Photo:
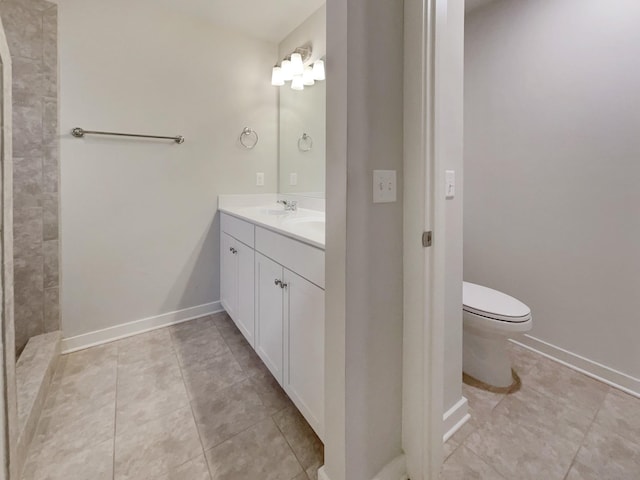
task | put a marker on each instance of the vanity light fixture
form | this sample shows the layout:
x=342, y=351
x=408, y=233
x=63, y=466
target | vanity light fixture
x=298, y=69
x=318, y=70
x=277, y=78
x=287, y=71
x=307, y=76
x=297, y=83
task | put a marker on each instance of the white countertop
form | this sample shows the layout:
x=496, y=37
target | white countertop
x=305, y=225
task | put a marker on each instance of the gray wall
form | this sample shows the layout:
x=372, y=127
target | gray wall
x=31, y=29
x=552, y=166
x=364, y=240
x=450, y=153
x=138, y=218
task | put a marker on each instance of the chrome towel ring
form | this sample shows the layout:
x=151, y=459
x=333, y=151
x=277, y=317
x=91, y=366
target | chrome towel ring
x=248, y=138
x=305, y=143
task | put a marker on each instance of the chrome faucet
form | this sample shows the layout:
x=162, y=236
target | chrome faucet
x=289, y=205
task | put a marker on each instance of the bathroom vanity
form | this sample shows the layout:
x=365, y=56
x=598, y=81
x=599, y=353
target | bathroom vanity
x=272, y=286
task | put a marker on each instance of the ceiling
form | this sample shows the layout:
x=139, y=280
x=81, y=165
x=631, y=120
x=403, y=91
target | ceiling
x=270, y=20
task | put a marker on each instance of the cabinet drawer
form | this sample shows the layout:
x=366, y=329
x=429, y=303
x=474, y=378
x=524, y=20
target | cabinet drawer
x=305, y=260
x=238, y=229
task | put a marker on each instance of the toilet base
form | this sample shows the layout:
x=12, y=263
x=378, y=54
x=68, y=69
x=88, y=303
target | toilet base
x=513, y=388
x=486, y=358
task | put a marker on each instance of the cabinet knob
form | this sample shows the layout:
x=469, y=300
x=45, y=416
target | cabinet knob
x=283, y=285
x=233, y=250
x=278, y=283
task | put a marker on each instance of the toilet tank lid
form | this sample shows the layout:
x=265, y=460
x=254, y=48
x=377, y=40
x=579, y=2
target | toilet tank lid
x=483, y=299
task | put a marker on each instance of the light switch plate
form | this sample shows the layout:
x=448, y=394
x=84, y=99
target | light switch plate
x=260, y=179
x=450, y=184
x=293, y=179
x=384, y=186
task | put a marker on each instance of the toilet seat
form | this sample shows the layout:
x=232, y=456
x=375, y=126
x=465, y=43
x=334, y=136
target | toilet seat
x=493, y=305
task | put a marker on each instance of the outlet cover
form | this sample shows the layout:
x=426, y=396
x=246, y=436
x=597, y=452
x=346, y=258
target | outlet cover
x=260, y=179
x=293, y=179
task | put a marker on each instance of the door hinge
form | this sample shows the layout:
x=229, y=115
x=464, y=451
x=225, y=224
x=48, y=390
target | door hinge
x=427, y=238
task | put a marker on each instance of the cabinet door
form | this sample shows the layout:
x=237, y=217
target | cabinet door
x=304, y=348
x=228, y=274
x=245, y=298
x=269, y=323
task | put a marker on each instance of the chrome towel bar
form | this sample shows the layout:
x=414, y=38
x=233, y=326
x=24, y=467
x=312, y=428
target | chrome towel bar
x=80, y=132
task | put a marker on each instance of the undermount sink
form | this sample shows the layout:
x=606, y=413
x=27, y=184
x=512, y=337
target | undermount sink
x=299, y=220
x=274, y=211
x=312, y=224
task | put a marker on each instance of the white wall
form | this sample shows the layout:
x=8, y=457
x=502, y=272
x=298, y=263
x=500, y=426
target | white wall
x=139, y=237
x=313, y=30
x=552, y=151
x=364, y=241
x=450, y=157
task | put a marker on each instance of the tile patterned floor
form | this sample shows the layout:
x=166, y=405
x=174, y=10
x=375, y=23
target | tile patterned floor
x=188, y=402
x=561, y=425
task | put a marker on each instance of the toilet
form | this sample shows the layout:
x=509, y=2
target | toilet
x=489, y=318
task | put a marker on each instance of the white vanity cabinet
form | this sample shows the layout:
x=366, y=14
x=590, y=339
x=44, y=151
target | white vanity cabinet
x=269, y=315
x=229, y=274
x=237, y=274
x=281, y=312
x=290, y=319
x=304, y=348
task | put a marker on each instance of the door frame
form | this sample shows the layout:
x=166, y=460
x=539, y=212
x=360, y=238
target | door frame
x=433, y=30
x=8, y=402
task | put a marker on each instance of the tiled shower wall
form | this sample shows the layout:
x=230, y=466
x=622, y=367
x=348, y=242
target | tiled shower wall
x=32, y=34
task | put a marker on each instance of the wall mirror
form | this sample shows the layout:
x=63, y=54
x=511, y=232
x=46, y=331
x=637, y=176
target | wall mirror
x=302, y=152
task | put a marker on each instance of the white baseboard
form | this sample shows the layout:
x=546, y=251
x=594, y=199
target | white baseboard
x=117, y=332
x=322, y=474
x=614, y=378
x=394, y=470
x=455, y=418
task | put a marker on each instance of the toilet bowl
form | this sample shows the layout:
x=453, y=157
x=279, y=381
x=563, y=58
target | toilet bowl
x=489, y=319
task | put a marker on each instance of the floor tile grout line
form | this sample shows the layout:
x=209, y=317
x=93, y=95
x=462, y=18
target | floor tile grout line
x=175, y=357
x=164, y=414
x=236, y=434
x=193, y=415
x=458, y=446
x=591, y=417
x=288, y=443
x=548, y=395
x=250, y=378
x=584, y=437
x=246, y=378
x=485, y=462
x=567, y=405
x=172, y=346
x=226, y=342
x=58, y=377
